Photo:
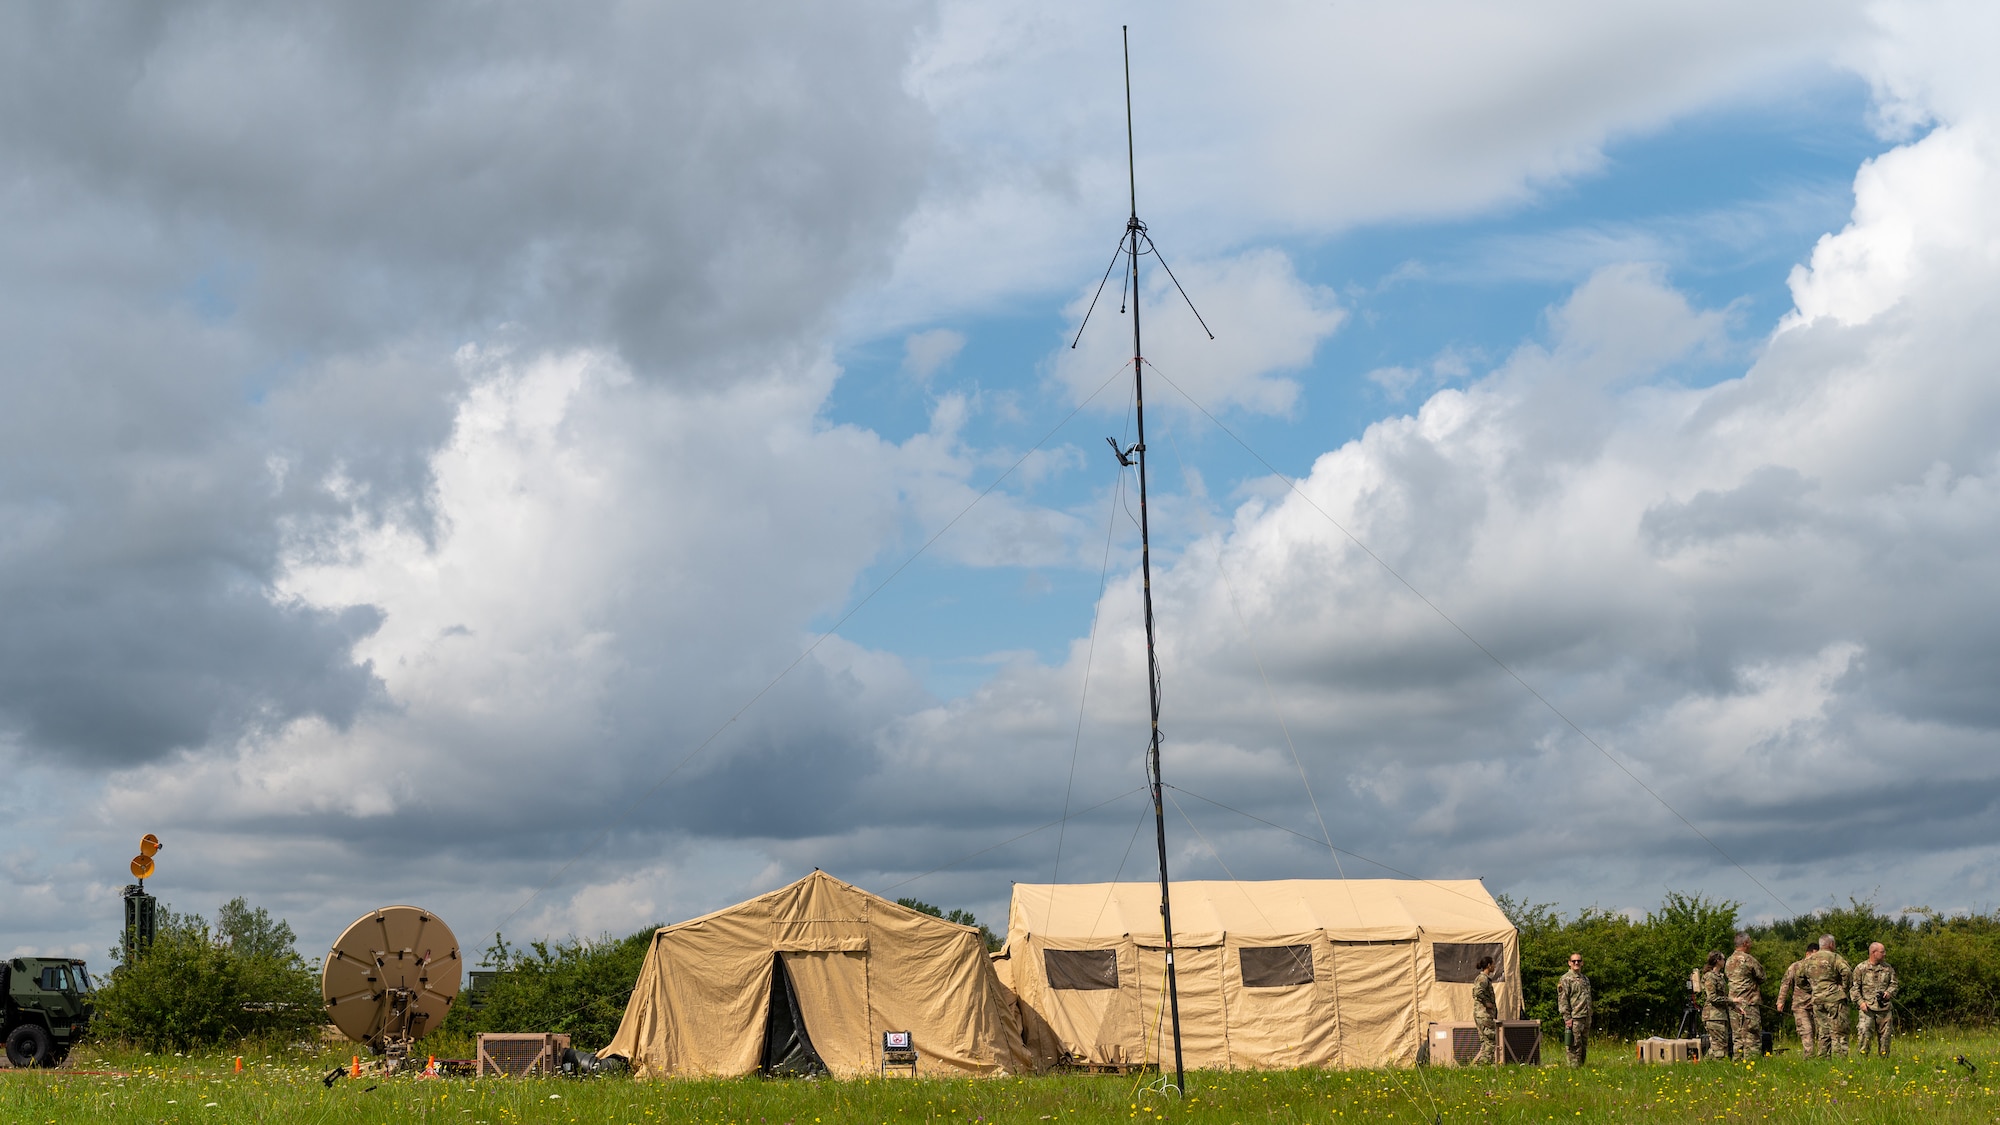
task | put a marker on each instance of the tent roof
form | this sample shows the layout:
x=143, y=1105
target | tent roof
x=819, y=896
x=1361, y=909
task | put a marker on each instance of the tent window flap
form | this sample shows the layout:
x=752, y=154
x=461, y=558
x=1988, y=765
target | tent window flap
x=1275, y=966
x=1456, y=962
x=1081, y=968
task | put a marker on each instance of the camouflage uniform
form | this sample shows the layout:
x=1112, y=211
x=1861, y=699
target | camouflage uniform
x=1486, y=1017
x=1797, y=991
x=1715, y=1013
x=1830, y=975
x=1573, y=1006
x=1745, y=976
x=1874, y=986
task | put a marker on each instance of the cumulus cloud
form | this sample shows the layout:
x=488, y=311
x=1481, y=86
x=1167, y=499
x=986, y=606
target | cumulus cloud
x=238, y=250
x=291, y=220
x=1762, y=597
x=543, y=652
x=1305, y=118
x=353, y=609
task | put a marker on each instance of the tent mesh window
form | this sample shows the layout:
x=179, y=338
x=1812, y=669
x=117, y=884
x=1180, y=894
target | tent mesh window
x=1275, y=966
x=1081, y=968
x=1457, y=962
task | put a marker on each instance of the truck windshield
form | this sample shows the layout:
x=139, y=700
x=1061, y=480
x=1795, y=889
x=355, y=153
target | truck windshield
x=82, y=977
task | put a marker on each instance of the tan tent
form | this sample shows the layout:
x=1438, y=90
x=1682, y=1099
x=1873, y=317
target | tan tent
x=811, y=975
x=1295, y=972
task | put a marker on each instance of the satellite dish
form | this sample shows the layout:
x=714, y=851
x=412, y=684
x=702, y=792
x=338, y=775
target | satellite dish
x=149, y=845
x=142, y=866
x=391, y=978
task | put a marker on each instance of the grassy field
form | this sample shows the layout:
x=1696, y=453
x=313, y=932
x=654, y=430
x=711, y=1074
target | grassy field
x=1921, y=1084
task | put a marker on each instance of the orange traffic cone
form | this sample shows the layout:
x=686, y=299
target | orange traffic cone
x=357, y=1066
x=239, y=1064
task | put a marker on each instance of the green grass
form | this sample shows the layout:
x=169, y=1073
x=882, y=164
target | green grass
x=1921, y=1084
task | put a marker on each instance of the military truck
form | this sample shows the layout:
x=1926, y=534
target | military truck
x=45, y=1008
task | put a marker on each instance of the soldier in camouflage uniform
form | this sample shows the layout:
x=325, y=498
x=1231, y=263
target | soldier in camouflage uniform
x=1745, y=977
x=1573, y=1008
x=1874, y=987
x=1830, y=975
x=1715, y=1008
x=1797, y=990
x=1486, y=1015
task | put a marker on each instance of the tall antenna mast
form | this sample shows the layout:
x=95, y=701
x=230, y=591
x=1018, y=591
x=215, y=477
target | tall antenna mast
x=1134, y=243
x=1134, y=231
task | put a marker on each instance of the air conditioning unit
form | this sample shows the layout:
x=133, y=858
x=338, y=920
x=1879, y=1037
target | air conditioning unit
x=518, y=1056
x=1456, y=1044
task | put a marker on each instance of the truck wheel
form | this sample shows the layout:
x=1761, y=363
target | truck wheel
x=28, y=1045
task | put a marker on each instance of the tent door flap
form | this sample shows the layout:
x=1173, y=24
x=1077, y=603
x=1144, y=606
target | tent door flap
x=788, y=1049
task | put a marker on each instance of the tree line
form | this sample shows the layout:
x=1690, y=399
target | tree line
x=1948, y=965
x=241, y=977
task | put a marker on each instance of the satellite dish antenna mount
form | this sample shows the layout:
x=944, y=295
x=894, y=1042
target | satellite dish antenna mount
x=391, y=979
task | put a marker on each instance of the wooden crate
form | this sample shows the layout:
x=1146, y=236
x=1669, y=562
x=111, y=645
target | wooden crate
x=517, y=1056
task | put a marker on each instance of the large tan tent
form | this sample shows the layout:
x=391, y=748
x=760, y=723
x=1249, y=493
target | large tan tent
x=814, y=973
x=1288, y=973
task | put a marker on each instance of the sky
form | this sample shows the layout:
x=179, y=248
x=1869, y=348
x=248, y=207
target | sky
x=576, y=470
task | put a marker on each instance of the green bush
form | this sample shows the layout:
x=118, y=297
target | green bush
x=576, y=987
x=1638, y=969
x=1948, y=968
x=196, y=987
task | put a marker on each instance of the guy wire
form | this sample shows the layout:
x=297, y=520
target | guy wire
x=1111, y=888
x=808, y=651
x=1011, y=839
x=1090, y=657
x=1355, y=854
x=1233, y=880
x=1269, y=925
x=1270, y=693
x=1449, y=620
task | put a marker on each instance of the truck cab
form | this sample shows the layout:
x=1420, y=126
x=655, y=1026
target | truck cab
x=45, y=1007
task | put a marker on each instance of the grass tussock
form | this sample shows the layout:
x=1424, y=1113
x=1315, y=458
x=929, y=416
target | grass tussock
x=1921, y=1084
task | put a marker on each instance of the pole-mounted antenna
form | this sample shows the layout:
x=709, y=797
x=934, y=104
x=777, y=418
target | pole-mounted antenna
x=1135, y=233
x=1134, y=243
